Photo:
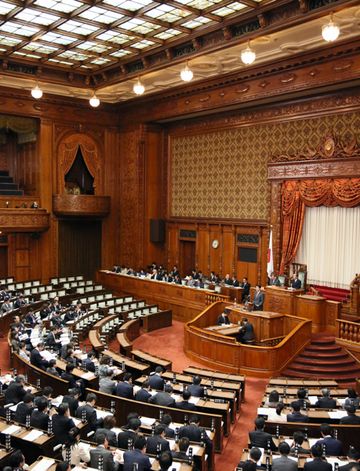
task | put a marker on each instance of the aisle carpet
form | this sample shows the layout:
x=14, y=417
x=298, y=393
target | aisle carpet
x=168, y=343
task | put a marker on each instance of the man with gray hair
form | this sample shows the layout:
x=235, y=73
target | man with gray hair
x=326, y=401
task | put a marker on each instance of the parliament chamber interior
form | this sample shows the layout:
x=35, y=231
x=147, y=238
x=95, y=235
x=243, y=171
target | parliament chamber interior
x=179, y=235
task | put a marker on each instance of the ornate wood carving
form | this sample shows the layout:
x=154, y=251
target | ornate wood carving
x=24, y=220
x=332, y=158
x=81, y=205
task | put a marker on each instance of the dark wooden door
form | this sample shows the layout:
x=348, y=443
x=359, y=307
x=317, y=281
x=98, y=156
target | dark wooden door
x=79, y=247
x=187, y=257
x=3, y=261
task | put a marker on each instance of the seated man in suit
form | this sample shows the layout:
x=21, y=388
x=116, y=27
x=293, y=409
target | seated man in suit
x=251, y=462
x=284, y=463
x=326, y=401
x=137, y=456
x=157, y=442
x=181, y=448
x=24, y=408
x=89, y=362
x=110, y=463
x=195, y=388
x=301, y=399
x=260, y=438
x=185, y=404
x=165, y=461
x=36, y=359
x=353, y=456
x=195, y=433
x=351, y=418
x=130, y=434
x=163, y=398
x=223, y=318
x=62, y=424
x=319, y=463
x=155, y=380
x=166, y=421
x=258, y=302
x=125, y=388
x=296, y=447
x=88, y=411
x=227, y=280
x=53, y=338
x=72, y=399
x=245, y=285
x=295, y=282
x=107, y=384
x=143, y=393
x=274, y=280
x=39, y=417
x=333, y=447
x=246, y=332
x=108, y=425
x=15, y=392
x=296, y=415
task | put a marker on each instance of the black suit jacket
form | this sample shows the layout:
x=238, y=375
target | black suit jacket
x=223, y=320
x=73, y=404
x=326, y=403
x=186, y=405
x=142, y=395
x=123, y=438
x=156, y=382
x=297, y=417
x=350, y=419
x=260, y=439
x=37, y=360
x=196, y=390
x=153, y=442
x=61, y=427
x=124, y=389
x=162, y=399
x=317, y=465
x=347, y=467
x=111, y=436
x=39, y=420
x=14, y=393
x=21, y=412
x=90, y=414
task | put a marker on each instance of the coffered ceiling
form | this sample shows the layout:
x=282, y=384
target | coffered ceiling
x=73, y=47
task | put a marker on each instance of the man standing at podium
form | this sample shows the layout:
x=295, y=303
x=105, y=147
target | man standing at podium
x=258, y=299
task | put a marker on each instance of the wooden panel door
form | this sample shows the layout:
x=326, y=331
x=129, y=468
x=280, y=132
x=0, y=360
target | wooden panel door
x=3, y=262
x=187, y=257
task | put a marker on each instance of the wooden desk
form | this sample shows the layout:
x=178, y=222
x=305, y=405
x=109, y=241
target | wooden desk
x=184, y=302
x=312, y=308
x=157, y=320
x=152, y=360
x=135, y=367
x=266, y=324
x=281, y=299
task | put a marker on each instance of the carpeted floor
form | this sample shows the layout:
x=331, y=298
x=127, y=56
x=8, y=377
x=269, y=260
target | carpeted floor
x=168, y=343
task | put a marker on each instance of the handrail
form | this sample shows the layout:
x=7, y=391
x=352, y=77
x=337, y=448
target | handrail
x=349, y=331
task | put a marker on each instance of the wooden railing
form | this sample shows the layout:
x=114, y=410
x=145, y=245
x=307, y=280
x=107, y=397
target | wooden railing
x=349, y=331
x=214, y=297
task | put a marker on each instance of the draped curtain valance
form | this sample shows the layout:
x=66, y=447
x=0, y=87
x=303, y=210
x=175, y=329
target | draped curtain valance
x=296, y=195
x=25, y=128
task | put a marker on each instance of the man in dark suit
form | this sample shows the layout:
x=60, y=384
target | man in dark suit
x=260, y=438
x=72, y=398
x=163, y=398
x=15, y=392
x=62, y=424
x=88, y=363
x=182, y=447
x=318, y=463
x=223, y=318
x=185, y=404
x=296, y=447
x=157, y=442
x=52, y=340
x=36, y=359
x=258, y=302
x=274, y=280
x=131, y=433
x=245, y=285
x=155, y=380
x=301, y=399
x=350, y=418
x=24, y=408
x=235, y=282
x=39, y=417
x=296, y=415
x=254, y=457
x=326, y=401
x=295, y=282
x=125, y=387
x=333, y=447
x=353, y=456
x=166, y=421
x=246, y=332
x=108, y=425
x=195, y=433
x=143, y=394
x=138, y=456
x=68, y=376
x=195, y=388
x=109, y=464
x=227, y=280
x=89, y=412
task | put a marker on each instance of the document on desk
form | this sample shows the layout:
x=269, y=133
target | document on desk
x=313, y=400
x=337, y=414
x=33, y=435
x=101, y=414
x=44, y=464
x=147, y=421
x=12, y=430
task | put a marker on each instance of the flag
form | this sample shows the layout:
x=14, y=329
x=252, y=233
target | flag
x=270, y=259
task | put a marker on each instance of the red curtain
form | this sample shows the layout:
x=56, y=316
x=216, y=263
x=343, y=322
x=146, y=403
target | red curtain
x=298, y=194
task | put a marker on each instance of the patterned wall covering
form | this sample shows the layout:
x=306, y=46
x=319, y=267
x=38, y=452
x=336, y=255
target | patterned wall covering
x=223, y=174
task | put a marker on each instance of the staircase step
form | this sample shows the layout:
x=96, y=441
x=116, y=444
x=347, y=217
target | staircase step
x=325, y=362
x=316, y=349
x=323, y=355
x=322, y=369
x=347, y=378
x=323, y=340
x=4, y=173
x=8, y=186
x=5, y=179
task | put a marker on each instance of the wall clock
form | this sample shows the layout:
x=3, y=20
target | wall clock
x=215, y=244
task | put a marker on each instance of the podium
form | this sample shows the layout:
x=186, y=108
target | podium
x=281, y=299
